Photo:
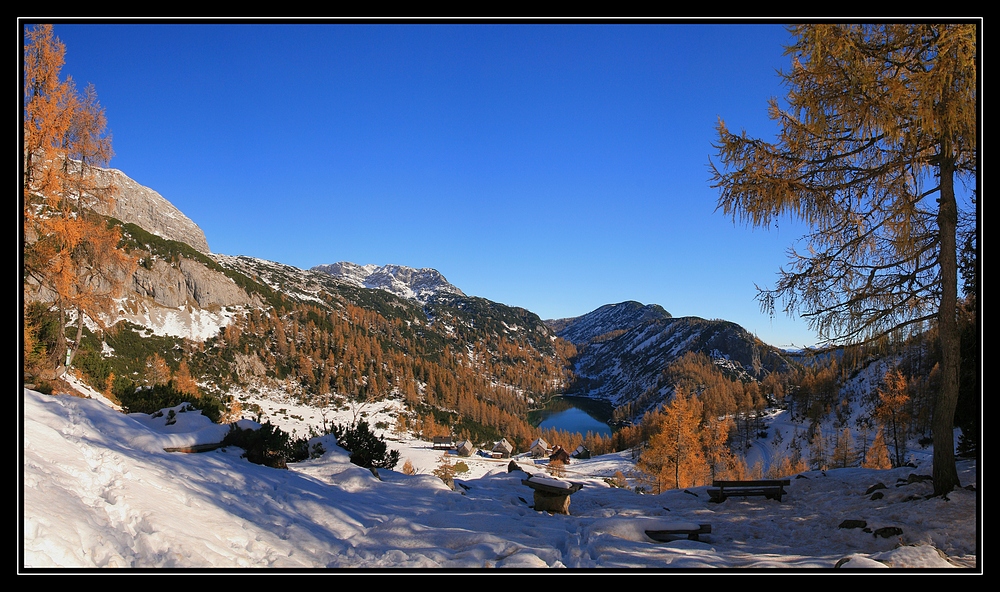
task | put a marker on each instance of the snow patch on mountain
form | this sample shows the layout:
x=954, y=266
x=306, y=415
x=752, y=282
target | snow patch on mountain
x=418, y=285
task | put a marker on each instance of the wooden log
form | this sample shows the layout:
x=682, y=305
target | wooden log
x=568, y=489
x=193, y=448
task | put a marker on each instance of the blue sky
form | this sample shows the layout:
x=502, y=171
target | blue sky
x=553, y=167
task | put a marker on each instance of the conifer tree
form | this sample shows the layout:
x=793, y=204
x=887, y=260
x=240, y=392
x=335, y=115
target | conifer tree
x=881, y=122
x=157, y=371
x=71, y=256
x=878, y=454
x=183, y=382
x=892, y=412
x=715, y=441
x=843, y=451
x=675, y=456
x=446, y=471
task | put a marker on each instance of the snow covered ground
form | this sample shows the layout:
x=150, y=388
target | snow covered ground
x=100, y=491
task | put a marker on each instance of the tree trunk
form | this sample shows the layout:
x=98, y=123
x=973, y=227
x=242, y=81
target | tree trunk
x=61, y=343
x=71, y=352
x=944, y=472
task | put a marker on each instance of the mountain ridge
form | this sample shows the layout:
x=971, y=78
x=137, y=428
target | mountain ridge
x=621, y=350
x=419, y=284
x=610, y=317
x=624, y=348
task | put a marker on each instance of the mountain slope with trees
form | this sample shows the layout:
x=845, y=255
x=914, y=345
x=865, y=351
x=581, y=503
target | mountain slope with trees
x=152, y=322
x=624, y=349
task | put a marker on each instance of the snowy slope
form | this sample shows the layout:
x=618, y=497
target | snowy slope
x=610, y=317
x=99, y=491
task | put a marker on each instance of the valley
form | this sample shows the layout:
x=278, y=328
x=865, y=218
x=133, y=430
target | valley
x=344, y=335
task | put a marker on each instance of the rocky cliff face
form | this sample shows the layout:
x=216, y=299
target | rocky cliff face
x=189, y=282
x=148, y=209
x=169, y=279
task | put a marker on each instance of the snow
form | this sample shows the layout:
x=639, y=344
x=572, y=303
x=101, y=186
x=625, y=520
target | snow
x=183, y=321
x=100, y=491
x=550, y=482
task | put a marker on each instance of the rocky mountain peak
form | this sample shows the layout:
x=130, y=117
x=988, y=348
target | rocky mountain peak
x=144, y=207
x=406, y=282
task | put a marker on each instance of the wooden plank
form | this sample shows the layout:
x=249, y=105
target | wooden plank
x=573, y=487
x=194, y=448
x=721, y=493
x=668, y=534
x=753, y=483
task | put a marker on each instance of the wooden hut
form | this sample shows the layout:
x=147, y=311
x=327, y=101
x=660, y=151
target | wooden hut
x=465, y=448
x=443, y=443
x=539, y=448
x=559, y=454
x=503, y=449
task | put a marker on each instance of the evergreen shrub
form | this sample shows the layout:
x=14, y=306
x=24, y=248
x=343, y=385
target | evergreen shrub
x=367, y=450
x=268, y=446
x=154, y=398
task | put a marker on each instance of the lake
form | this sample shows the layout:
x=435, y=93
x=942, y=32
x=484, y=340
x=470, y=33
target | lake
x=574, y=414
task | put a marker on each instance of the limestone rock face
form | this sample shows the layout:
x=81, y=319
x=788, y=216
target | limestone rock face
x=148, y=209
x=189, y=281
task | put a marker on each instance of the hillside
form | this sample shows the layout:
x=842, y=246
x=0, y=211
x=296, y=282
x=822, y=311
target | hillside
x=344, y=331
x=99, y=491
x=624, y=348
x=216, y=327
x=461, y=363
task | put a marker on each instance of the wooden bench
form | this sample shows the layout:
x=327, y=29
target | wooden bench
x=669, y=532
x=769, y=488
x=552, y=495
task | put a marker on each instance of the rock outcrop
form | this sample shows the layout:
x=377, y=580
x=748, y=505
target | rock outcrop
x=149, y=210
x=188, y=282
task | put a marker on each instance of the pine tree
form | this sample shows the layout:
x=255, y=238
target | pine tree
x=183, y=382
x=881, y=122
x=715, y=441
x=446, y=471
x=843, y=451
x=157, y=371
x=817, y=451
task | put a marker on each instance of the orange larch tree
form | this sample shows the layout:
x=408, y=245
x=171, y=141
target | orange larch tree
x=71, y=256
x=675, y=457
